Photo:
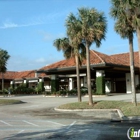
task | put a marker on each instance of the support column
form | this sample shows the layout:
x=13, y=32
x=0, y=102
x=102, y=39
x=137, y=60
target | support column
x=54, y=83
x=108, y=86
x=100, y=82
x=82, y=82
x=71, y=83
x=136, y=80
x=12, y=84
x=41, y=85
x=128, y=83
x=85, y=81
x=25, y=83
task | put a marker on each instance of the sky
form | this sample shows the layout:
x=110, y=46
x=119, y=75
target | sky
x=28, y=29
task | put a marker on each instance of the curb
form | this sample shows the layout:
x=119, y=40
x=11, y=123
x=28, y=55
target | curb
x=70, y=110
x=124, y=118
x=67, y=96
x=121, y=115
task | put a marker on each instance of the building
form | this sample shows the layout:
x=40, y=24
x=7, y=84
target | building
x=22, y=77
x=114, y=68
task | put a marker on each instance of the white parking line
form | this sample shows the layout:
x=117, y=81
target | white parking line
x=20, y=131
x=29, y=123
x=71, y=125
x=56, y=123
x=5, y=123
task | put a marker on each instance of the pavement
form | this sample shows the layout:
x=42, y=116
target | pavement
x=36, y=119
x=98, y=113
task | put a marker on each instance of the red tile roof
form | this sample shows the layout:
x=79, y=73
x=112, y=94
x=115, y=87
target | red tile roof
x=24, y=74
x=125, y=57
x=21, y=74
x=96, y=58
x=8, y=75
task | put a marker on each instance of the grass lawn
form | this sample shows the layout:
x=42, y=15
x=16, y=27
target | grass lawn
x=127, y=108
x=9, y=101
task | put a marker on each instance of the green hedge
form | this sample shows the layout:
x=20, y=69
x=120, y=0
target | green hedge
x=54, y=85
x=100, y=85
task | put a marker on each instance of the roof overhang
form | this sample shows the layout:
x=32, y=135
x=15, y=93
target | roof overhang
x=100, y=66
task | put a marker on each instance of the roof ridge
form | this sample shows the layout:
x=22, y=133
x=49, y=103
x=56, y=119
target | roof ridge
x=122, y=53
x=98, y=56
x=25, y=71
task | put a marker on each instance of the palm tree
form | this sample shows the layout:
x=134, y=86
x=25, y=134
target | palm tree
x=65, y=45
x=4, y=56
x=89, y=27
x=124, y=27
x=132, y=13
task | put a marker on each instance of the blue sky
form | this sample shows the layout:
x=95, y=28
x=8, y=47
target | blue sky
x=29, y=27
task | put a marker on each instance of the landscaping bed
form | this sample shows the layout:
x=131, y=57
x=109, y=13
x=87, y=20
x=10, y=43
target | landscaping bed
x=9, y=101
x=127, y=108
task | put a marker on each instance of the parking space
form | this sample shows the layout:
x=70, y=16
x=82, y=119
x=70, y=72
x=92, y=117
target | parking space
x=10, y=128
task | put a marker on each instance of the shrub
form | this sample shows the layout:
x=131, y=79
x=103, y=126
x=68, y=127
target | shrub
x=22, y=89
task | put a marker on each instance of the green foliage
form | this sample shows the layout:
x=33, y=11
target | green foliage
x=22, y=89
x=40, y=87
x=54, y=85
x=100, y=85
x=5, y=91
x=12, y=86
x=4, y=56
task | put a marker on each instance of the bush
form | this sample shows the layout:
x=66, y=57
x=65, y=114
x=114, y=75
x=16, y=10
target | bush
x=22, y=89
x=40, y=87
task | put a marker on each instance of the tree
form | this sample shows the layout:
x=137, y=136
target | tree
x=124, y=27
x=132, y=13
x=69, y=51
x=4, y=56
x=89, y=27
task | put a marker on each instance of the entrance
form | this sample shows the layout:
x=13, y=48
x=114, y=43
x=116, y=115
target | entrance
x=120, y=86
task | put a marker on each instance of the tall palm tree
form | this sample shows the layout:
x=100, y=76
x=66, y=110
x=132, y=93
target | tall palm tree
x=89, y=27
x=4, y=56
x=124, y=27
x=65, y=45
x=132, y=13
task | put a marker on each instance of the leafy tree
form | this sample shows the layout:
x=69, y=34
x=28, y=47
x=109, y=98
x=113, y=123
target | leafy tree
x=88, y=27
x=4, y=56
x=69, y=51
x=125, y=28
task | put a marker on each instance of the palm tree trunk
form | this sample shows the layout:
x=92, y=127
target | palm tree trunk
x=2, y=81
x=88, y=74
x=138, y=36
x=78, y=78
x=132, y=70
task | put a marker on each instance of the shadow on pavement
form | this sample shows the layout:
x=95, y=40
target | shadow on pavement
x=81, y=131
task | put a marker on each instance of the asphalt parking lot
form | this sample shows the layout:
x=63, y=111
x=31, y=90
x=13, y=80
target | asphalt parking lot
x=36, y=119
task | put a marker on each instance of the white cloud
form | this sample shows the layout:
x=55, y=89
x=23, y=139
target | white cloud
x=40, y=60
x=9, y=25
x=15, y=25
x=32, y=21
